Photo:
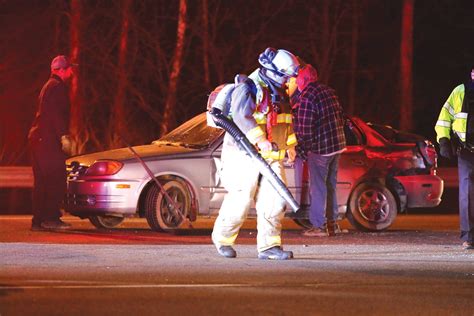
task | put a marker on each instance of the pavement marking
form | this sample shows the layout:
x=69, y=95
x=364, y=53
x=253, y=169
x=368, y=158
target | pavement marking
x=126, y=286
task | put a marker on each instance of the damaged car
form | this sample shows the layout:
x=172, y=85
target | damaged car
x=377, y=179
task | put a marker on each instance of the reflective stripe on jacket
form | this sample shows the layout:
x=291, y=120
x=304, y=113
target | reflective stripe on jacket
x=451, y=116
x=247, y=114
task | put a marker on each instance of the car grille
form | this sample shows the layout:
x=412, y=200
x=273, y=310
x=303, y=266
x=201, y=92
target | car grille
x=75, y=170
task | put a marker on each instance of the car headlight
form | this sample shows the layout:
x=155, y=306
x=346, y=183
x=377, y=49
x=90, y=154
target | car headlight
x=104, y=168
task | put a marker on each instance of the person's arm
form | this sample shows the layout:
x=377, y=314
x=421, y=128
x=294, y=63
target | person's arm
x=242, y=108
x=306, y=117
x=443, y=125
x=59, y=105
x=446, y=117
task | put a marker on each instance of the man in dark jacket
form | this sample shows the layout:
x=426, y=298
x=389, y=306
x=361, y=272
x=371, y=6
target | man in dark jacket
x=49, y=143
x=319, y=128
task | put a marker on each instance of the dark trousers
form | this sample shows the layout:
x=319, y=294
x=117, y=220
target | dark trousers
x=466, y=194
x=49, y=170
x=322, y=181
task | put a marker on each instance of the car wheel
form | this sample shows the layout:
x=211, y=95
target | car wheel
x=372, y=207
x=105, y=221
x=305, y=223
x=160, y=213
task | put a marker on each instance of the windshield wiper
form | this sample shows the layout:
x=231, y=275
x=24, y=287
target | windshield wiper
x=178, y=144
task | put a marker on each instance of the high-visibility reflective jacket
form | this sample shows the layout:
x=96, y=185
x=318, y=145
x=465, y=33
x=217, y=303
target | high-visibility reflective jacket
x=452, y=117
x=252, y=114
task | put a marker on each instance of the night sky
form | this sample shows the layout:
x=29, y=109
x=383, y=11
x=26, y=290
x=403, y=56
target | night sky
x=32, y=32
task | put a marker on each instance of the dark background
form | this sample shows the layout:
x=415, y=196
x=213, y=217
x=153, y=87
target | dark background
x=32, y=32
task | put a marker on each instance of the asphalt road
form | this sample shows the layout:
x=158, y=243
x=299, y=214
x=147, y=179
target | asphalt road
x=417, y=267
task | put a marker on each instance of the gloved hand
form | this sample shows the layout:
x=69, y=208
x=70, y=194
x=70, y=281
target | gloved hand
x=264, y=145
x=445, y=148
x=291, y=154
x=66, y=144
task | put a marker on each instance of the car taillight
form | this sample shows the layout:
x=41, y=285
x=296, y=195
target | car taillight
x=431, y=153
x=104, y=168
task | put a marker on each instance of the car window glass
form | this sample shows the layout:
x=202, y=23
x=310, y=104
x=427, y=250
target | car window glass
x=386, y=131
x=352, y=134
x=193, y=133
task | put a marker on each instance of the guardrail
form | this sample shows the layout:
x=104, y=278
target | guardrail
x=22, y=177
x=16, y=177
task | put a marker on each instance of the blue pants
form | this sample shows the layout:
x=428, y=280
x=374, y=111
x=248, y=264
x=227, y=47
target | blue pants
x=323, y=181
x=466, y=194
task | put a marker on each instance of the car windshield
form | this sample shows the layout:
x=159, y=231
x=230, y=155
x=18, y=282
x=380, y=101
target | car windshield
x=194, y=133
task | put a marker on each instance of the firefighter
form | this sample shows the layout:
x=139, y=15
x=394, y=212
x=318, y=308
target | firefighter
x=455, y=135
x=260, y=108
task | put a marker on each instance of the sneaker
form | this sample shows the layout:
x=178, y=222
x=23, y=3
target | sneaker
x=56, y=224
x=315, y=232
x=227, y=251
x=275, y=253
x=468, y=245
x=334, y=229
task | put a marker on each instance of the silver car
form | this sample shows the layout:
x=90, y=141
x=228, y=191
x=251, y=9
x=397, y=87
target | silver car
x=377, y=179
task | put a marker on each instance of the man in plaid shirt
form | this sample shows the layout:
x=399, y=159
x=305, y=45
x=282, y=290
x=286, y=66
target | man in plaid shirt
x=319, y=127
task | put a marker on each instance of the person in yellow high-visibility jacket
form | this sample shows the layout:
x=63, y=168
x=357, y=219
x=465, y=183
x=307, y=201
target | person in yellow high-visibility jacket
x=261, y=110
x=455, y=129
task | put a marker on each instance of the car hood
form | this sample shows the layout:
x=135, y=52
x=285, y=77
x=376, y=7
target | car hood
x=144, y=151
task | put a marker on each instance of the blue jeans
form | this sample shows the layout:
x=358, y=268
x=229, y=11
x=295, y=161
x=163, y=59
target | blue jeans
x=323, y=181
x=466, y=194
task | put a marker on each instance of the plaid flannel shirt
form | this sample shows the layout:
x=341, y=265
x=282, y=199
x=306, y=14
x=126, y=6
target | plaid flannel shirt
x=318, y=121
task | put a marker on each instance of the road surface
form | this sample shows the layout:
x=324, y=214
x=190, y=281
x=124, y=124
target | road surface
x=417, y=267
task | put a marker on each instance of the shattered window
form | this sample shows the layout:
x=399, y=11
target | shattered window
x=194, y=133
x=352, y=133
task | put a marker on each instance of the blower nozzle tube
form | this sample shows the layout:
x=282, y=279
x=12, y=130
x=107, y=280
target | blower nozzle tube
x=230, y=127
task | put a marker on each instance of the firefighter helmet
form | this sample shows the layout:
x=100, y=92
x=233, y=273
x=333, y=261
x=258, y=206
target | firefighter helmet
x=279, y=61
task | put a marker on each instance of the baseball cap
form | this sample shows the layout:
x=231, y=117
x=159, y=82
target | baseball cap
x=61, y=61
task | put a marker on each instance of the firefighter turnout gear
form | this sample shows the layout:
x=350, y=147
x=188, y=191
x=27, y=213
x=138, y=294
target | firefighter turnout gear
x=241, y=179
x=260, y=115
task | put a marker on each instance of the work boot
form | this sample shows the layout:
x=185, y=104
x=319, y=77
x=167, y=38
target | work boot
x=334, y=229
x=275, y=253
x=468, y=245
x=227, y=251
x=36, y=227
x=315, y=232
x=55, y=224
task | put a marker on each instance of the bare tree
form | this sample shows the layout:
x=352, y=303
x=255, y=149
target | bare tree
x=406, y=61
x=168, y=111
x=77, y=112
x=118, y=118
x=205, y=43
x=326, y=41
x=353, y=56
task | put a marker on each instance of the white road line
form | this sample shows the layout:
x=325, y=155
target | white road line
x=123, y=286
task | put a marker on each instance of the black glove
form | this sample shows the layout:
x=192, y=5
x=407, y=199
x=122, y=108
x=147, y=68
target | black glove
x=445, y=148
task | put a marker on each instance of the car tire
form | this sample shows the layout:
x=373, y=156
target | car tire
x=372, y=207
x=160, y=213
x=105, y=221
